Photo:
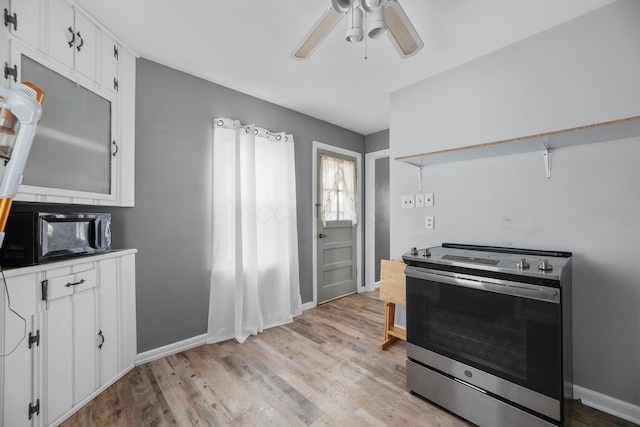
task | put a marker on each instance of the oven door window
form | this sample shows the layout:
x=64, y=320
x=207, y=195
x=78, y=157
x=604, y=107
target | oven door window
x=514, y=338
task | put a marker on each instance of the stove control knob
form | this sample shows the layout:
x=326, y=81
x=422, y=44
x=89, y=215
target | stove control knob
x=426, y=253
x=414, y=251
x=522, y=264
x=545, y=266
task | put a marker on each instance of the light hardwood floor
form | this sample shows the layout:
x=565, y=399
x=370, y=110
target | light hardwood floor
x=324, y=369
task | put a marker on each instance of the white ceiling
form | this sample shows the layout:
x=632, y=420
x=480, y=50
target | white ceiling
x=246, y=45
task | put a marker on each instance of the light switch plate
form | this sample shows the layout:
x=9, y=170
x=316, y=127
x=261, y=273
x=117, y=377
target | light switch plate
x=428, y=199
x=420, y=200
x=408, y=201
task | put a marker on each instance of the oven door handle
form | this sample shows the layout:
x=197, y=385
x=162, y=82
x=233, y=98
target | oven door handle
x=523, y=290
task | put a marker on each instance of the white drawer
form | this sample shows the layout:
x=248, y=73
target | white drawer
x=62, y=286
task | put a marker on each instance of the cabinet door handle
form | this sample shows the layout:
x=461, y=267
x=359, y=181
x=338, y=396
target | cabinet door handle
x=81, y=41
x=101, y=335
x=72, y=40
x=68, y=285
x=117, y=148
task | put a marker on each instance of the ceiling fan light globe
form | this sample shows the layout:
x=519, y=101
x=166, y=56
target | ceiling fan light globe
x=376, y=26
x=355, y=29
x=341, y=6
x=354, y=35
x=371, y=6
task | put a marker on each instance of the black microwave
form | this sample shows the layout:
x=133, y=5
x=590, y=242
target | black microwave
x=38, y=237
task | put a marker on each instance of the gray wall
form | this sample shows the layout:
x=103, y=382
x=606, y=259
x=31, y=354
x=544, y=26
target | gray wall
x=170, y=224
x=582, y=72
x=376, y=141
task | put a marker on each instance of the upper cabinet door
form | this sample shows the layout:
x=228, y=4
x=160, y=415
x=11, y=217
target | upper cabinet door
x=109, y=53
x=85, y=46
x=61, y=32
x=24, y=17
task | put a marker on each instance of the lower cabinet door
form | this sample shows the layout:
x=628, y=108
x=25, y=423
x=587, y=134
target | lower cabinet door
x=108, y=340
x=58, y=359
x=85, y=344
x=18, y=389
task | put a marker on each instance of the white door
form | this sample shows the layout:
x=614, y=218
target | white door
x=337, y=235
x=57, y=341
x=85, y=342
x=108, y=333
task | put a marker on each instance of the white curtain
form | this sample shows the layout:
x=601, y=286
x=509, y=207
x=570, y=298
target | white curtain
x=254, y=278
x=338, y=189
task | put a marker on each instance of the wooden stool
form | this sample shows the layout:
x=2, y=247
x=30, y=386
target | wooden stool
x=392, y=292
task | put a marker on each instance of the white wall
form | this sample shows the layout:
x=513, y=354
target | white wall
x=582, y=72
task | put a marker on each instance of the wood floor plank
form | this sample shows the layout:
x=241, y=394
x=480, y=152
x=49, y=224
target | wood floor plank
x=323, y=369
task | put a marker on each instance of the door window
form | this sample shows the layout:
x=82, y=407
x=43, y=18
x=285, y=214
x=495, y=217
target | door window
x=338, y=189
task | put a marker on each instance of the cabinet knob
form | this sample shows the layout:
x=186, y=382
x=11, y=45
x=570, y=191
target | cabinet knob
x=81, y=41
x=101, y=335
x=71, y=39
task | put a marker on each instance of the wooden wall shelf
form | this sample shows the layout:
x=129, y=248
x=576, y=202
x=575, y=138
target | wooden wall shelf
x=545, y=142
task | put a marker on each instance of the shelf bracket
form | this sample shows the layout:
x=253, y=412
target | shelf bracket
x=547, y=159
x=420, y=178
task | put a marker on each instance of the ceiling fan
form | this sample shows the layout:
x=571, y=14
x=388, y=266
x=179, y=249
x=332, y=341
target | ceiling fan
x=382, y=16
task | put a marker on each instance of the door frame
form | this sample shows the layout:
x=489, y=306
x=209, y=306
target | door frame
x=370, y=283
x=317, y=145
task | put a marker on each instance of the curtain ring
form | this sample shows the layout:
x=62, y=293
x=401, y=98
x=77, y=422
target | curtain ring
x=279, y=137
x=220, y=123
x=255, y=131
x=246, y=130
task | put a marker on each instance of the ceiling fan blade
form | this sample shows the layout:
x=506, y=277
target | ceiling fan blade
x=401, y=31
x=318, y=32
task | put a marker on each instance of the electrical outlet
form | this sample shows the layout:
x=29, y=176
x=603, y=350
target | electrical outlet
x=408, y=201
x=430, y=223
x=420, y=200
x=428, y=199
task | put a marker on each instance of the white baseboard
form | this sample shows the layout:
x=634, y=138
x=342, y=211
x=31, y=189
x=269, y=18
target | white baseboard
x=168, y=350
x=308, y=306
x=608, y=404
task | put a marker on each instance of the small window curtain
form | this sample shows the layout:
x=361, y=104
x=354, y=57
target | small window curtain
x=338, y=189
x=255, y=280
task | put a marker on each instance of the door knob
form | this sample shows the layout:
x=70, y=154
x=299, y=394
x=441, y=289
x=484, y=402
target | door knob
x=322, y=235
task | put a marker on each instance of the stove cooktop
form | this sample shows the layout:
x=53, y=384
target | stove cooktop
x=528, y=262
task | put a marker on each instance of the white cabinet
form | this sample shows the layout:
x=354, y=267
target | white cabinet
x=57, y=343
x=109, y=54
x=126, y=128
x=71, y=38
x=108, y=345
x=69, y=338
x=75, y=50
x=77, y=337
x=22, y=20
x=19, y=346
